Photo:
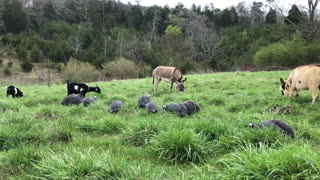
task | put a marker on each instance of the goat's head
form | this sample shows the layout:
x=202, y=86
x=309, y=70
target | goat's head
x=97, y=89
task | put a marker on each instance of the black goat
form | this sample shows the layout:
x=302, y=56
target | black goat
x=76, y=88
x=15, y=92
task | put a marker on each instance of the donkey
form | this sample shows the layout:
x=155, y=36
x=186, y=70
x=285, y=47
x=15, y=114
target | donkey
x=168, y=74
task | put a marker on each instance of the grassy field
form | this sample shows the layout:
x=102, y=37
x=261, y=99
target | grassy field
x=40, y=138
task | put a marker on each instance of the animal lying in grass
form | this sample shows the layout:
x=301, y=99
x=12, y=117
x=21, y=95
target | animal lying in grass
x=14, y=92
x=152, y=107
x=178, y=108
x=302, y=78
x=143, y=101
x=184, y=109
x=278, y=124
x=192, y=107
x=115, y=106
x=88, y=100
x=72, y=99
x=76, y=88
x=168, y=74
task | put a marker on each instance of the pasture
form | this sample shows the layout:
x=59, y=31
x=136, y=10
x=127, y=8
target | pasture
x=40, y=138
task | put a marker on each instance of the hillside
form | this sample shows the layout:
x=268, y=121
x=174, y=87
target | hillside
x=41, y=138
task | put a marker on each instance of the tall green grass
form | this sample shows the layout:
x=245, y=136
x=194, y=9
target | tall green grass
x=40, y=138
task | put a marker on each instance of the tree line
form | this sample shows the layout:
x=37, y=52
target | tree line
x=196, y=38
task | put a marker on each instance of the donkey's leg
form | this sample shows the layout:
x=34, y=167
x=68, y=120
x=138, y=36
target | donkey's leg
x=171, y=84
x=156, y=82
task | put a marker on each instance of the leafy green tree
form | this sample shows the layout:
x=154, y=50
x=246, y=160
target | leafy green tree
x=13, y=16
x=173, y=30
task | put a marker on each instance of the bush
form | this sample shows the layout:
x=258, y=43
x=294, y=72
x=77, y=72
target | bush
x=21, y=52
x=5, y=40
x=26, y=67
x=59, y=52
x=10, y=64
x=122, y=69
x=1, y=61
x=282, y=54
x=35, y=54
x=79, y=71
x=7, y=71
x=180, y=146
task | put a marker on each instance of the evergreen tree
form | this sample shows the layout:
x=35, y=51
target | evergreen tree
x=294, y=16
x=49, y=12
x=234, y=16
x=13, y=16
x=271, y=17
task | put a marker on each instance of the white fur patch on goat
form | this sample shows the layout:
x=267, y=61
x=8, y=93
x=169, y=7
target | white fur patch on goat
x=76, y=87
x=81, y=89
x=15, y=91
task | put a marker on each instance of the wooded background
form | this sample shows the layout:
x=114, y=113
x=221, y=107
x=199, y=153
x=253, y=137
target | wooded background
x=111, y=36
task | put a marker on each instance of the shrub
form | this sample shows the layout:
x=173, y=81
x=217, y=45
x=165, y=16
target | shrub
x=5, y=40
x=21, y=52
x=35, y=54
x=10, y=64
x=121, y=69
x=26, y=67
x=180, y=146
x=79, y=71
x=7, y=71
x=1, y=62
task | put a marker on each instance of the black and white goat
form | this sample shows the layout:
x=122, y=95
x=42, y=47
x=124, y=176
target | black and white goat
x=76, y=88
x=14, y=92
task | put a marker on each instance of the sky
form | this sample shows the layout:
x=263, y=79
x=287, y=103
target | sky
x=216, y=3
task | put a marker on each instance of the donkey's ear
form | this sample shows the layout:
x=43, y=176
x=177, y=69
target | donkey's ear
x=184, y=79
x=282, y=81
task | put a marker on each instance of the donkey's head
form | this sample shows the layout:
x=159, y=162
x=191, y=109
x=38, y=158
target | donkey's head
x=180, y=84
